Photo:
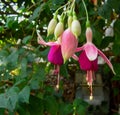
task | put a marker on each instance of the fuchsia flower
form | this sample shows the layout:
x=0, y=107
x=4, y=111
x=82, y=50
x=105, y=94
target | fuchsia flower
x=69, y=44
x=54, y=55
x=89, y=57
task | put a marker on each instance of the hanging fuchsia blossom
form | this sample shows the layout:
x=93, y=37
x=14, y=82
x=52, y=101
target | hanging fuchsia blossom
x=54, y=55
x=69, y=44
x=89, y=57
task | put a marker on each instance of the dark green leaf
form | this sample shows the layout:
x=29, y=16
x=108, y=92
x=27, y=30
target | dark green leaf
x=51, y=105
x=116, y=49
x=3, y=101
x=105, y=11
x=24, y=94
x=66, y=109
x=36, y=106
x=27, y=39
x=105, y=42
x=12, y=98
x=37, y=12
x=23, y=72
x=13, y=57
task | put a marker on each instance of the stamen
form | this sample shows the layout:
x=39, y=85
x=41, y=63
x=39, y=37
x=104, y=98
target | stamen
x=58, y=78
x=91, y=93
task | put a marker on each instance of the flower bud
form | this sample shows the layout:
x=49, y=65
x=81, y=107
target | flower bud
x=51, y=26
x=59, y=29
x=89, y=34
x=69, y=44
x=76, y=28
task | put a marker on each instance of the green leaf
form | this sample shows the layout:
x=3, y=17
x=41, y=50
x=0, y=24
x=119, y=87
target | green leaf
x=24, y=94
x=12, y=98
x=1, y=28
x=22, y=109
x=105, y=11
x=23, y=70
x=35, y=84
x=63, y=70
x=81, y=110
x=13, y=57
x=115, y=4
x=27, y=39
x=2, y=111
x=65, y=109
x=116, y=49
x=97, y=36
x=117, y=68
x=3, y=101
x=105, y=42
x=116, y=91
x=36, y=106
x=12, y=23
x=51, y=105
x=80, y=106
x=116, y=78
x=37, y=12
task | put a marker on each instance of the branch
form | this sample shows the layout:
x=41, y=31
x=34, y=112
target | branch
x=2, y=13
x=9, y=6
x=12, y=10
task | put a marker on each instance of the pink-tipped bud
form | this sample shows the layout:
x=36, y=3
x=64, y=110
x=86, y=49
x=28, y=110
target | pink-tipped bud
x=70, y=19
x=69, y=44
x=51, y=26
x=59, y=29
x=89, y=34
x=76, y=27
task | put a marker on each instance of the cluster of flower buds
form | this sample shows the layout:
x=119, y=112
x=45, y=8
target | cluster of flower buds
x=67, y=36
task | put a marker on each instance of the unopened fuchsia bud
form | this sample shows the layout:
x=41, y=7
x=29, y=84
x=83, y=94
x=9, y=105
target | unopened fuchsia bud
x=68, y=45
x=75, y=26
x=59, y=29
x=51, y=26
x=89, y=34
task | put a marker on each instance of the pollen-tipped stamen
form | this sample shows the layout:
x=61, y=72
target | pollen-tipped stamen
x=58, y=78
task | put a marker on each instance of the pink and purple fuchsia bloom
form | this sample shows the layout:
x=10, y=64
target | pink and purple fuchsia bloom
x=88, y=59
x=54, y=55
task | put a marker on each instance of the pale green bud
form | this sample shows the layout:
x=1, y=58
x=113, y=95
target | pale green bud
x=76, y=28
x=59, y=29
x=51, y=26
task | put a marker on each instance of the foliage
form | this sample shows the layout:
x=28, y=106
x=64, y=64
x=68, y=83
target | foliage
x=23, y=63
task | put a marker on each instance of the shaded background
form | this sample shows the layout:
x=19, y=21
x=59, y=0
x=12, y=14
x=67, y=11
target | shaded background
x=26, y=82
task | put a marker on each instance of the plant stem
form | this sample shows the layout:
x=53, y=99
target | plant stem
x=87, y=22
x=73, y=5
x=62, y=7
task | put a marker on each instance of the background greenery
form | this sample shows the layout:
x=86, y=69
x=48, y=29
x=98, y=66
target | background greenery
x=23, y=87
